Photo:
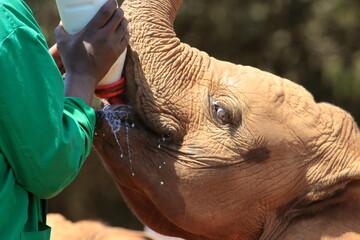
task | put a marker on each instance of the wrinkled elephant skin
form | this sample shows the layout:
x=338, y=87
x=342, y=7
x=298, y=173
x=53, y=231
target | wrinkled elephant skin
x=214, y=150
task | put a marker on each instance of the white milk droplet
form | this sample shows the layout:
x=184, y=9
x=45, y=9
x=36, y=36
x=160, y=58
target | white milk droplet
x=128, y=145
x=162, y=183
x=115, y=124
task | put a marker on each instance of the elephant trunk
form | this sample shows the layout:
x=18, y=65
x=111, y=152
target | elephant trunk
x=159, y=12
x=159, y=68
x=156, y=51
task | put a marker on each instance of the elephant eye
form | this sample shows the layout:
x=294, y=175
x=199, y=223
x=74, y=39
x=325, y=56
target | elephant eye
x=225, y=112
x=222, y=115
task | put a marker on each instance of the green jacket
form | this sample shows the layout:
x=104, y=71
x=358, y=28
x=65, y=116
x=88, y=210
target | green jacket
x=44, y=137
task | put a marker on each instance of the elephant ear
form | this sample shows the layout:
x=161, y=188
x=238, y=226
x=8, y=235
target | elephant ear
x=337, y=156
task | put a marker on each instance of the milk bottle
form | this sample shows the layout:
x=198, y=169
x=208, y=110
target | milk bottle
x=75, y=15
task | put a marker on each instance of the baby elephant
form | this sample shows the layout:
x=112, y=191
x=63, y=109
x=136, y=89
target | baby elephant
x=63, y=229
x=210, y=150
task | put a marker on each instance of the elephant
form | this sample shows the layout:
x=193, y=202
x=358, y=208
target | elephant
x=63, y=229
x=211, y=150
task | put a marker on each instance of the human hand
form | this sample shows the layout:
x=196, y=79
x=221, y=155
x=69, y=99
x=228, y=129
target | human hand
x=57, y=58
x=92, y=51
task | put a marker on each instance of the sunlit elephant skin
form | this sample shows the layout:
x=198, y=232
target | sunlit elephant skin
x=63, y=229
x=219, y=151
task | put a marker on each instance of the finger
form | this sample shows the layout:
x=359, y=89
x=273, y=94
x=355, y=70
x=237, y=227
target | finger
x=122, y=29
x=62, y=69
x=57, y=58
x=55, y=54
x=60, y=65
x=53, y=50
x=115, y=20
x=103, y=15
x=123, y=35
x=124, y=42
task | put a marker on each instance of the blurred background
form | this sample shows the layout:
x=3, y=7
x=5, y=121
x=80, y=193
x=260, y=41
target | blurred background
x=315, y=43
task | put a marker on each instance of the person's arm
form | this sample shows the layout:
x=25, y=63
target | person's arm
x=44, y=136
x=43, y=142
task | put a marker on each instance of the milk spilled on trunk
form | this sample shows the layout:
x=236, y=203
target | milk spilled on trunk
x=114, y=120
x=128, y=146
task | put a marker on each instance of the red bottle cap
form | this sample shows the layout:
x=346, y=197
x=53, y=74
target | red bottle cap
x=111, y=90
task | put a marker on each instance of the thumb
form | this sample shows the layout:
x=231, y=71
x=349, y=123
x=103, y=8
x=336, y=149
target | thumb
x=60, y=32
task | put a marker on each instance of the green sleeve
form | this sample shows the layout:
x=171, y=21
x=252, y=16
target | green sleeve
x=44, y=136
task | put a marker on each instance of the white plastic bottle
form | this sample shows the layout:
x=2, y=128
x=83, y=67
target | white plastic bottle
x=75, y=15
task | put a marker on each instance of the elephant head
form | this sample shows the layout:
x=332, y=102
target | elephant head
x=208, y=149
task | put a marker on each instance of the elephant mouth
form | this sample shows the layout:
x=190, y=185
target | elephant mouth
x=116, y=114
x=130, y=114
